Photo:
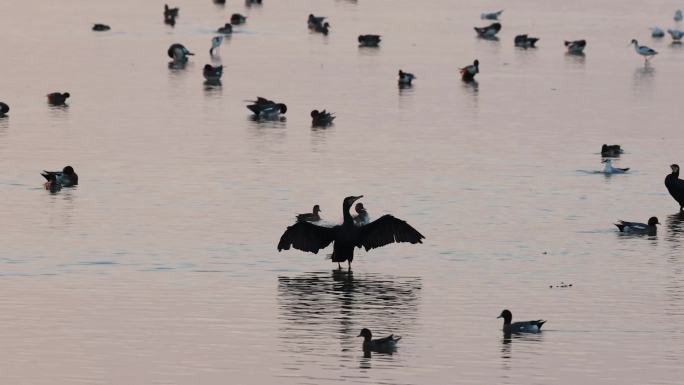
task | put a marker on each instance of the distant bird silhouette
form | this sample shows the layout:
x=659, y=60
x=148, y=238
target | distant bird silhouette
x=4, y=109
x=380, y=345
x=675, y=186
x=264, y=108
x=58, y=98
x=361, y=217
x=322, y=28
x=101, y=27
x=678, y=15
x=491, y=15
x=468, y=72
x=405, y=78
x=314, y=21
x=657, y=32
x=227, y=29
x=310, y=217
x=237, y=19
x=321, y=118
x=521, y=326
x=489, y=31
x=676, y=35
x=178, y=52
x=576, y=47
x=215, y=44
x=57, y=179
x=609, y=169
x=212, y=74
x=611, y=150
x=643, y=50
x=345, y=237
x=220, y=2
x=639, y=228
x=249, y=3
x=369, y=40
x=170, y=12
x=524, y=41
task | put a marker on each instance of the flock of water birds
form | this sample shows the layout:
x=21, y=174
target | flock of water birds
x=357, y=230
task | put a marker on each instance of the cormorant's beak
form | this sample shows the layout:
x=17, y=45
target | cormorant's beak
x=359, y=335
x=499, y=316
x=357, y=198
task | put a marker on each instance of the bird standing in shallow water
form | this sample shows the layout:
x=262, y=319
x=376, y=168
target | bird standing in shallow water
x=639, y=228
x=381, y=345
x=345, y=237
x=311, y=217
x=58, y=98
x=521, y=326
x=468, y=72
x=215, y=44
x=4, y=109
x=678, y=15
x=675, y=186
x=644, y=51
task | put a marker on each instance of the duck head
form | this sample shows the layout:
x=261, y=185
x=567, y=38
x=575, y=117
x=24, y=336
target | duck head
x=282, y=107
x=68, y=170
x=366, y=334
x=652, y=221
x=476, y=63
x=359, y=208
x=507, y=316
x=314, y=114
x=316, y=209
x=634, y=41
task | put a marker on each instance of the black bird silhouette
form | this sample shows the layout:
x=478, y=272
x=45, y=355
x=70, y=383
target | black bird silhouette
x=345, y=237
x=57, y=179
x=57, y=98
x=321, y=118
x=611, y=150
x=101, y=27
x=4, y=108
x=675, y=186
x=369, y=40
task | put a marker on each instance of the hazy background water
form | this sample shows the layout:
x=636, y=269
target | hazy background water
x=161, y=267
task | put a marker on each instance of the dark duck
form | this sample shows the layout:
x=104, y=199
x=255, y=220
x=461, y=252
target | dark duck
x=488, y=32
x=4, y=109
x=381, y=345
x=524, y=41
x=101, y=27
x=369, y=40
x=227, y=29
x=178, y=52
x=675, y=186
x=345, y=237
x=237, y=19
x=520, y=326
x=264, y=108
x=311, y=217
x=405, y=78
x=321, y=118
x=576, y=47
x=468, y=72
x=170, y=15
x=58, y=179
x=58, y=98
x=611, y=150
x=639, y=228
x=361, y=217
x=212, y=74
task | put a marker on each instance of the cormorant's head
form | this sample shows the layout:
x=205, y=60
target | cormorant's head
x=316, y=209
x=349, y=201
x=366, y=334
x=653, y=221
x=675, y=168
x=506, y=315
x=314, y=114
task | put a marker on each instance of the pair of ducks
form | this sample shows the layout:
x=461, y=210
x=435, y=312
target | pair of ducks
x=58, y=179
x=265, y=108
x=54, y=98
x=388, y=344
x=675, y=33
x=318, y=24
x=361, y=218
x=235, y=19
x=170, y=15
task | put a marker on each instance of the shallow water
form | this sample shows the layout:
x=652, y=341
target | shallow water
x=161, y=267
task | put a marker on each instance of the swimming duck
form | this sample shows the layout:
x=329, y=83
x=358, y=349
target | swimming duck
x=525, y=41
x=178, y=52
x=310, y=217
x=57, y=98
x=576, y=46
x=678, y=15
x=101, y=27
x=609, y=169
x=249, y=3
x=170, y=21
x=4, y=108
x=264, y=108
x=237, y=19
x=642, y=50
x=489, y=31
x=611, y=150
x=639, y=228
x=675, y=186
x=65, y=178
x=405, y=78
x=361, y=217
x=657, y=32
x=321, y=118
x=170, y=12
x=215, y=43
x=386, y=344
x=369, y=40
x=676, y=35
x=468, y=72
x=212, y=74
x=226, y=29
x=324, y=28
x=491, y=15
x=314, y=21
x=521, y=326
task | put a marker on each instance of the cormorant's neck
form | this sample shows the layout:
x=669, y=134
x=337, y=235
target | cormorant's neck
x=345, y=213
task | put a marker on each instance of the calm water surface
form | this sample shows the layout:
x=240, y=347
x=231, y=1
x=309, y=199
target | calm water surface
x=161, y=267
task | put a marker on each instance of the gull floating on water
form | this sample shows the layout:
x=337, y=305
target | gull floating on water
x=489, y=31
x=676, y=35
x=657, y=32
x=643, y=50
x=678, y=15
x=491, y=15
x=609, y=169
x=576, y=47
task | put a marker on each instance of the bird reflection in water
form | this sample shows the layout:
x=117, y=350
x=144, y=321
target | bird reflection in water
x=675, y=227
x=317, y=307
x=508, y=339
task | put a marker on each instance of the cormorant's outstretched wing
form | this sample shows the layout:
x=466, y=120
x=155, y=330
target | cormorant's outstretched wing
x=306, y=236
x=385, y=230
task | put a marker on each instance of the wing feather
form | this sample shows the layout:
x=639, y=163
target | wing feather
x=385, y=230
x=306, y=236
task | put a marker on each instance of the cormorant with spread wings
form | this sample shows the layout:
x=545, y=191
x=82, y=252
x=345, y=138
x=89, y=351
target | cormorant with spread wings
x=387, y=229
